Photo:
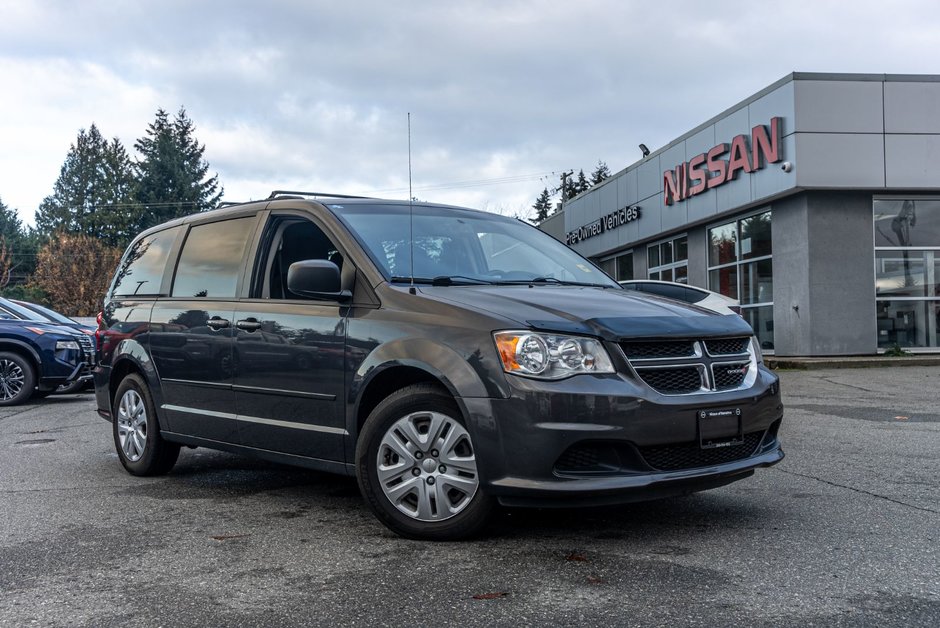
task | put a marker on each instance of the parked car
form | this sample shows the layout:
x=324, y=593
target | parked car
x=36, y=358
x=451, y=359
x=25, y=310
x=689, y=294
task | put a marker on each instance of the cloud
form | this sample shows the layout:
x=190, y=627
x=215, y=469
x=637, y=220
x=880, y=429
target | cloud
x=315, y=94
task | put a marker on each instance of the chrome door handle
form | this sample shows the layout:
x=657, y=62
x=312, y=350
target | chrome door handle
x=249, y=324
x=218, y=323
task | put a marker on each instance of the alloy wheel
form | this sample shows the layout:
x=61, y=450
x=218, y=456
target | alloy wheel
x=132, y=425
x=12, y=379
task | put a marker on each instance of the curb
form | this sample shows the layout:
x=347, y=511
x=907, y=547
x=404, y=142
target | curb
x=851, y=362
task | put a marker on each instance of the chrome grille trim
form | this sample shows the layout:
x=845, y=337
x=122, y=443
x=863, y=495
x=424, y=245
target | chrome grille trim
x=88, y=349
x=669, y=375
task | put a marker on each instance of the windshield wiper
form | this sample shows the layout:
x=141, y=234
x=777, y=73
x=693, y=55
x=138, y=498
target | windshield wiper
x=405, y=279
x=554, y=281
x=458, y=280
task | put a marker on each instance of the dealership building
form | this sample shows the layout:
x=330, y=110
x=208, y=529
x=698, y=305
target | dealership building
x=815, y=203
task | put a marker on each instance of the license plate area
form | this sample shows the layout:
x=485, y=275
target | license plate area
x=720, y=428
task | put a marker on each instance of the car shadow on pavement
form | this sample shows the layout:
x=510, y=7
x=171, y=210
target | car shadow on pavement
x=294, y=492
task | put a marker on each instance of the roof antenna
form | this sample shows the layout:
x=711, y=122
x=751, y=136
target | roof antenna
x=411, y=214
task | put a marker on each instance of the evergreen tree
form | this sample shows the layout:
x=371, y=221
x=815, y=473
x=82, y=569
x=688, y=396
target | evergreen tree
x=582, y=185
x=173, y=177
x=94, y=192
x=600, y=173
x=21, y=244
x=543, y=206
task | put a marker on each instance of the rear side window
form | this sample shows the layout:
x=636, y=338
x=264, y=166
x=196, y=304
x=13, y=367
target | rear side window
x=141, y=271
x=212, y=257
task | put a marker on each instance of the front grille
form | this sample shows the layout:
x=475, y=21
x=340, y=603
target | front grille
x=88, y=349
x=727, y=346
x=729, y=376
x=673, y=381
x=685, y=366
x=691, y=455
x=658, y=350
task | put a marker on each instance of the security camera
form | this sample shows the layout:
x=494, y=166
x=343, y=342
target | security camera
x=786, y=166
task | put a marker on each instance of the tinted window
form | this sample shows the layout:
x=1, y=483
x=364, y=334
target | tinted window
x=141, y=270
x=211, y=259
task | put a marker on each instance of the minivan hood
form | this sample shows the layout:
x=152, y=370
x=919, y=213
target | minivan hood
x=609, y=313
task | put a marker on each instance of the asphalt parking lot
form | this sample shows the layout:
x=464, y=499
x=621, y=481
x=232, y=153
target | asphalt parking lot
x=844, y=532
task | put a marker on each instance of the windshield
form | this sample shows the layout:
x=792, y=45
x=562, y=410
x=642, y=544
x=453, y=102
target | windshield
x=21, y=312
x=458, y=246
x=51, y=315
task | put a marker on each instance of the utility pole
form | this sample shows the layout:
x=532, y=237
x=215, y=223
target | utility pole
x=564, y=185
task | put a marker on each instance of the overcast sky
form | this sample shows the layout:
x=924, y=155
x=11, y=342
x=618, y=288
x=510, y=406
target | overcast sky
x=311, y=95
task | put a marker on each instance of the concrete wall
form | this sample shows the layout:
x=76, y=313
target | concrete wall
x=824, y=290
x=841, y=274
x=554, y=226
x=792, y=307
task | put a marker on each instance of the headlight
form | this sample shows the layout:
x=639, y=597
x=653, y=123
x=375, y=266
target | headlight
x=757, y=352
x=65, y=345
x=550, y=356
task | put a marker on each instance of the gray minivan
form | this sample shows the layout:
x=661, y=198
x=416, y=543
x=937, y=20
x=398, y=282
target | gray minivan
x=450, y=359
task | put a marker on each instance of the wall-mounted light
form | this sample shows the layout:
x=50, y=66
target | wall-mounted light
x=644, y=150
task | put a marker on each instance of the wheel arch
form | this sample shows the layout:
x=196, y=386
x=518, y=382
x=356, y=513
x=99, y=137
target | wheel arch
x=23, y=349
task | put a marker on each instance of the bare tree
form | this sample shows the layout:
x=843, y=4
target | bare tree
x=75, y=270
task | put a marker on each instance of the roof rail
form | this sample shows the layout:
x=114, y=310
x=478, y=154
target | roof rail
x=281, y=193
x=229, y=204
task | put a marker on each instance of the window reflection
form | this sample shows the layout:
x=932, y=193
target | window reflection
x=722, y=245
x=211, y=259
x=142, y=269
x=907, y=222
x=907, y=271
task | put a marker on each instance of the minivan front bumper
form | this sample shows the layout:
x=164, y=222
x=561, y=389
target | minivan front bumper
x=595, y=440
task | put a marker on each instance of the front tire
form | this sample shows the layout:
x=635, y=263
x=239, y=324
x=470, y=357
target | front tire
x=417, y=467
x=136, y=432
x=17, y=379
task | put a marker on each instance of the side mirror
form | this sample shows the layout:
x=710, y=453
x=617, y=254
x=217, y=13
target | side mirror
x=317, y=279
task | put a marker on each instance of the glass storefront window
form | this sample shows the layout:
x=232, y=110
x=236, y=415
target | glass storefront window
x=741, y=266
x=625, y=267
x=907, y=223
x=682, y=249
x=757, y=282
x=724, y=280
x=755, y=236
x=619, y=268
x=609, y=266
x=668, y=261
x=908, y=323
x=681, y=274
x=722, y=247
x=665, y=253
x=761, y=320
x=907, y=271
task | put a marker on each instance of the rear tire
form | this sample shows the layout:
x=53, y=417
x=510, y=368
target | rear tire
x=136, y=432
x=17, y=379
x=417, y=467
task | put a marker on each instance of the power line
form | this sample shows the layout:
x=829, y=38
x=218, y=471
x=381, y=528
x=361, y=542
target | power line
x=472, y=183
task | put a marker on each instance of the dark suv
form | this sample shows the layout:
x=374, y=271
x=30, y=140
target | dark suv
x=450, y=359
